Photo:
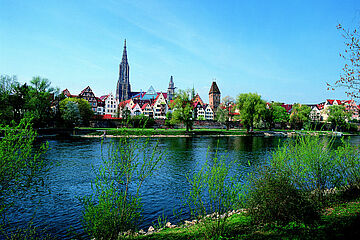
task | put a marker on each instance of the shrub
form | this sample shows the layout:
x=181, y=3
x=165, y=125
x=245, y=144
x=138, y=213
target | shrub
x=22, y=165
x=115, y=205
x=213, y=194
x=273, y=198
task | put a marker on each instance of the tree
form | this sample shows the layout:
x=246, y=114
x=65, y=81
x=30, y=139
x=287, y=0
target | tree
x=41, y=95
x=7, y=84
x=182, y=109
x=84, y=108
x=224, y=111
x=350, y=79
x=222, y=116
x=168, y=119
x=251, y=107
x=274, y=113
x=299, y=115
x=71, y=114
x=338, y=116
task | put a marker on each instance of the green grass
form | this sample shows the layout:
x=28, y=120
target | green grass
x=160, y=131
x=182, y=131
x=340, y=221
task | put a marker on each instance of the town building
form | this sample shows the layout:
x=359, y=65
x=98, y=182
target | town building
x=89, y=96
x=123, y=88
x=110, y=104
x=214, y=96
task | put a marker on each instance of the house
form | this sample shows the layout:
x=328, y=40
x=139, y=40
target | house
x=147, y=110
x=100, y=107
x=160, y=106
x=136, y=110
x=198, y=111
x=89, y=96
x=110, y=104
x=209, y=113
x=316, y=112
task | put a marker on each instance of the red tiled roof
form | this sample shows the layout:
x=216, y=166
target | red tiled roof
x=144, y=106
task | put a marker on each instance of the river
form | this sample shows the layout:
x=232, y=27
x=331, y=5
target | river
x=58, y=209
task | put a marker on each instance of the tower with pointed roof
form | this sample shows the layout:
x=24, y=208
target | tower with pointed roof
x=214, y=96
x=123, y=89
x=171, y=90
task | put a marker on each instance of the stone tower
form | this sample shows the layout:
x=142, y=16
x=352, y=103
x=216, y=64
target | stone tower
x=214, y=96
x=171, y=90
x=123, y=88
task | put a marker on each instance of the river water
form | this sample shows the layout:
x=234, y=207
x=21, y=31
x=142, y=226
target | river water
x=58, y=209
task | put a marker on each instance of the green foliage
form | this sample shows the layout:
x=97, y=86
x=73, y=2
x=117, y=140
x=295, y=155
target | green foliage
x=338, y=116
x=84, y=108
x=71, y=114
x=21, y=164
x=40, y=97
x=213, y=193
x=182, y=109
x=273, y=198
x=115, y=205
x=7, y=85
x=352, y=127
x=300, y=115
x=142, y=121
x=35, y=100
x=275, y=113
x=313, y=165
x=29, y=233
x=168, y=119
x=251, y=107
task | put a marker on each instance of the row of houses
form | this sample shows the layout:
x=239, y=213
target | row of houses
x=319, y=112
x=150, y=103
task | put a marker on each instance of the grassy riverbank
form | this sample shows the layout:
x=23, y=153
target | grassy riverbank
x=339, y=221
x=196, y=132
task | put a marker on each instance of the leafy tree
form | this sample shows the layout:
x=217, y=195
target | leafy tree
x=21, y=164
x=41, y=95
x=274, y=113
x=7, y=84
x=182, y=110
x=222, y=115
x=71, y=114
x=338, y=116
x=350, y=79
x=84, y=108
x=300, y=114
x=168, y=119
x=223, y=112
x=251, y=107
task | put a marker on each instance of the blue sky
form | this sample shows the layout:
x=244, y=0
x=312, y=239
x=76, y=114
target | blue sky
x=284, y=50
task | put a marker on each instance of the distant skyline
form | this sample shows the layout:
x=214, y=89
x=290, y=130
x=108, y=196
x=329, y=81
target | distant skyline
x=285, y=51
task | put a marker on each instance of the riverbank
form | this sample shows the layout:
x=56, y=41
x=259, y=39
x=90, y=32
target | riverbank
x=134, y=132
x=338, y=221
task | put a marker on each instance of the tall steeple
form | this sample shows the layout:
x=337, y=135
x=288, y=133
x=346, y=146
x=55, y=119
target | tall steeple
x=214, y=96
x=171, y=90
x=123, y=89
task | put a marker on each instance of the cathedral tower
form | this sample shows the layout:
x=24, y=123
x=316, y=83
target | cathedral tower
x=123, y=88
x=214, y=96
x=171, y=90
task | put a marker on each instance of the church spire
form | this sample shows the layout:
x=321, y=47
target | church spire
x=124, y=57
x=123, y=89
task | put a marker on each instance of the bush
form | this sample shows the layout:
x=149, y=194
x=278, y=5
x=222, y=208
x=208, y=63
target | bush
x=115, y=205
x=213, y=194
x=273, y=198
x=22, y=166
x=351, y=127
